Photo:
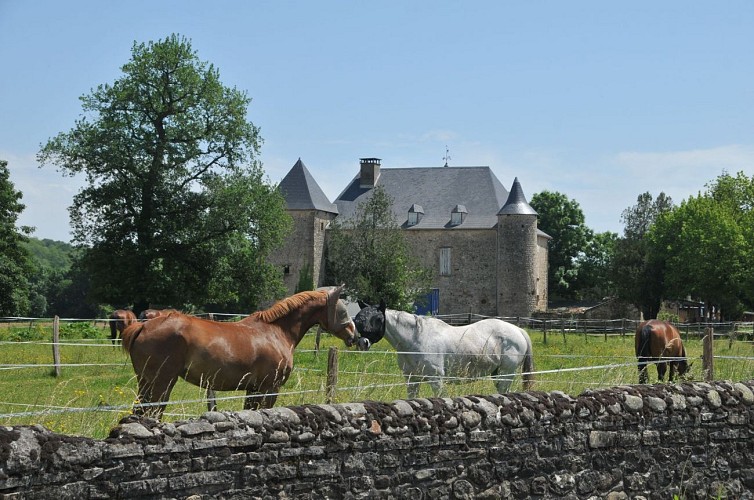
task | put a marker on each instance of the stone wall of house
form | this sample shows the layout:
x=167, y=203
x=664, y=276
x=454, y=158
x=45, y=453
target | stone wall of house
x=303, y=247
x=693, y=440
x=517, y=265
x=542, y=263
x=472, y=282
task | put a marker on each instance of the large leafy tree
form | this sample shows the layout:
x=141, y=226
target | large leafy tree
x=175, y=210
x=638, y=274
x=369, y=254
x=563, y=219
x=703, y=249
x=594, y=279
x=15, y=262
x=736, y=193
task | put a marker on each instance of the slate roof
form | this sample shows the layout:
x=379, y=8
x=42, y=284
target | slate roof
x=438, y=190
x=516, y=203
x=301, y=191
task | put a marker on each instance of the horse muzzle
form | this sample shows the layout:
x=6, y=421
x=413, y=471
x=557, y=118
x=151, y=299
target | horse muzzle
x=363, y=344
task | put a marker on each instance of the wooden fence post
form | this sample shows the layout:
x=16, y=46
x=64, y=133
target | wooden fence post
x=707, y=364
x=544, y=330
x=332, y=375
x=562, y=329
x=56, y=344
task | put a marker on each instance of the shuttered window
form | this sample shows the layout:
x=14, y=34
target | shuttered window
x=445, y=261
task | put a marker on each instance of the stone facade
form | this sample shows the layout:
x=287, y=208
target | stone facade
x=496, y=267
x=304, y=248
x=472, y=284
x=692, y=440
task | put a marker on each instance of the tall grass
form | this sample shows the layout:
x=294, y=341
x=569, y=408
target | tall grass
x=89, y=400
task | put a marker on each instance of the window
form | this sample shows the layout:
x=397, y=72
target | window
x=458, y=215
x=445, y=261
x=287, y=269
x=415, y=214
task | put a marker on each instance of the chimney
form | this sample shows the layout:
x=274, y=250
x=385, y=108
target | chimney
x=370, y=172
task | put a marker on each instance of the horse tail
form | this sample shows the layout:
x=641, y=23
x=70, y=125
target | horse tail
x=528, y=367
x=128, y=337
x=644, y=348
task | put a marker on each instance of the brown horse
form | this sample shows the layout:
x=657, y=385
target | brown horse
x=656, y=340
x=119, y=320
x=254, y=354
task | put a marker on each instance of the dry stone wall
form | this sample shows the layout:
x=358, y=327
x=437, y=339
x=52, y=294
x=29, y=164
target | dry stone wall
x=695, y=440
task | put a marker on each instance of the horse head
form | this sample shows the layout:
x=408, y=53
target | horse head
x=370, y=322
x=338, y=321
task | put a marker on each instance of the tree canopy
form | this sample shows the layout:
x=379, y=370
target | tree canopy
x=563, y=219
x=638, y=275
x=175, y=210
x=370, y=255
x=15, y=262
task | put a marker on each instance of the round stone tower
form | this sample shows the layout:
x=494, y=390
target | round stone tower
x=516, y=256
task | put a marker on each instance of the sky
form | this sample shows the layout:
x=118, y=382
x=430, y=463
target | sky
x=600, y=101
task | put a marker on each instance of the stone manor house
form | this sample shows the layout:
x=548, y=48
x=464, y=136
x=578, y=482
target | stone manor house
x=481, y=241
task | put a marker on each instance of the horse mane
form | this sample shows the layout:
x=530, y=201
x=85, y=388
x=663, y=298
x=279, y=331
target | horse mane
x=285, y=306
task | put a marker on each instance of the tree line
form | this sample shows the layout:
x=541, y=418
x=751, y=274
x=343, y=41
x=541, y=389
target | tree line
x=177, y=212
x=700, y=249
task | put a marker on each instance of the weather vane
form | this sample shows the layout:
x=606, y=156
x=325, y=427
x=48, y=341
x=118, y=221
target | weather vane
x=447, y=156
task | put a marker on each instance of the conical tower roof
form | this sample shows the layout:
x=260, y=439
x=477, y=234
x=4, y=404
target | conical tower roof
x=301, y=191
x=516, y=203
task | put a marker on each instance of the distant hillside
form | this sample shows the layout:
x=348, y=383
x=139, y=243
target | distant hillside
x=53, y=254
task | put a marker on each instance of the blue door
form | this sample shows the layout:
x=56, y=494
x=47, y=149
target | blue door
x=430, y=304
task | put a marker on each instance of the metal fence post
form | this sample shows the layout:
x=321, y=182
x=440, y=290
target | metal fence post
x=56, y=344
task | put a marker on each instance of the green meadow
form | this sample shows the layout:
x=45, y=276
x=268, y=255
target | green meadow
x=97, y=386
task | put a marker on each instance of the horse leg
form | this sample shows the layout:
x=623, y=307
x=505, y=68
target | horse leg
x=412, y=386
x=154, y=391
x=643, y=376
x=254, y=400
x=502, y=382
x=113, y=332
x=661, y=367
x=211, y=401
x=437, y=386
x=671, y=372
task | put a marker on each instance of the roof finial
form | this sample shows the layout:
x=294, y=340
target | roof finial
x=447, y=155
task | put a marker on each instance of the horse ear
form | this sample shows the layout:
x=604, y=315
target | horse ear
x=383, y=306
x=361, y=303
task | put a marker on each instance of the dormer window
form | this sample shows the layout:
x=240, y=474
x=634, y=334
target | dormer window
x=458, y=215
x=415, y=214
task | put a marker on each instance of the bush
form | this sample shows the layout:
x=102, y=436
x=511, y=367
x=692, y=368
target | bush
x=80, y=330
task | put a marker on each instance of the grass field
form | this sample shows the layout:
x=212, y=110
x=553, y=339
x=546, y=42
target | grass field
x=89, y=399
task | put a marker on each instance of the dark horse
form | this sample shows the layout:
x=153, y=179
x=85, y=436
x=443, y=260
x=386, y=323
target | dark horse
x=254, y=354
x=656, y=340
x=119, y=320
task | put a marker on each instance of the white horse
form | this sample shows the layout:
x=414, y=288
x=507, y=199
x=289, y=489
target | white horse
x=430, y=350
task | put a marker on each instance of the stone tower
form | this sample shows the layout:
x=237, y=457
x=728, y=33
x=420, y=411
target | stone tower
x=516, y=256
x=311, y=212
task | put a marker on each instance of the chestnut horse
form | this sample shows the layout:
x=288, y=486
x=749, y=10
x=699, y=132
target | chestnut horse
x=119, y=320
x=254, y=354
x=656, y=340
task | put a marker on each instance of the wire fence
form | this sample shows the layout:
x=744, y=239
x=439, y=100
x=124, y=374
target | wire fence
x=585, y=375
